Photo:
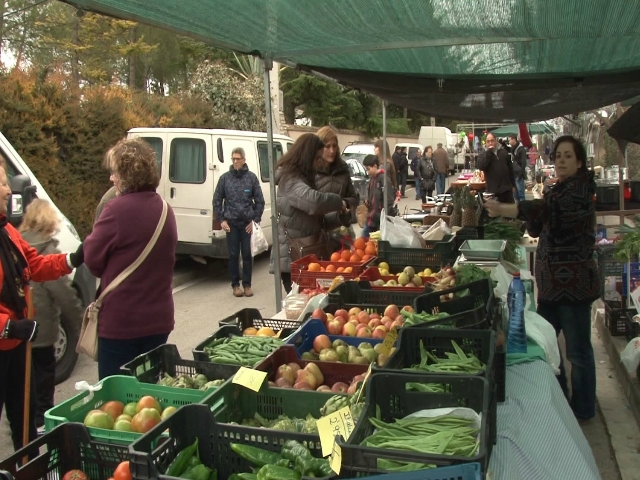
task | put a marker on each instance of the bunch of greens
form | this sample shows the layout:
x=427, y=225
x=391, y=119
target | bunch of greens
x=509, y=230
x=629, y=245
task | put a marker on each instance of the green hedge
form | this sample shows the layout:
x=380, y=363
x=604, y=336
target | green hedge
x=63, y=132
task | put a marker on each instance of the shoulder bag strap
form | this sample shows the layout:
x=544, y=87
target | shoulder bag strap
x=131, y=268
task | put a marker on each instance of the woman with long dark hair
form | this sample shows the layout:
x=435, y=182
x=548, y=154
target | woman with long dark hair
x=301, y=207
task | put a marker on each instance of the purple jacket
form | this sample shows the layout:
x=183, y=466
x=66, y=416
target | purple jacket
x=143, y=304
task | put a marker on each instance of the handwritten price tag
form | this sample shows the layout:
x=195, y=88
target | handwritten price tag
x=337, y=423
x=389, y=341
x=249, y=378
x=335, y=461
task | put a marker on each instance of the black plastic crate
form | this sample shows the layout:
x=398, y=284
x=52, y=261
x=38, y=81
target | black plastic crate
x=479, y=342
x=616, y=320
x=251, y=317
x=224, y=331
x=480, y=299
x=633, y=328
x=500, y=361
x=436, y=254
x=607, y=194
x=360, y=294
x=154, y=451
x=151, y=366
x=388, y=399
x=463, y=313
x=66, y=447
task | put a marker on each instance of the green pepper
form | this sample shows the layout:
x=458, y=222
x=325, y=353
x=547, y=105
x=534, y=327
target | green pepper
x=180, y=463
x=283, y=462
x=299, y=455
x=193, y=461
x=321, y=468
x=255, y=455
x=199, y=472
x=213, y=475
x=246, y=476
x=274, y=472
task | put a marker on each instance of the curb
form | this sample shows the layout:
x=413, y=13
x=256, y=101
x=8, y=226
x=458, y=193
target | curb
x=180, y=278
x=629, y=385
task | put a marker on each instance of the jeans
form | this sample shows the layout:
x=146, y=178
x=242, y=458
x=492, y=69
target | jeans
x=417, y=180
x=401, y=177
x=239, y=241
x=44, y=373
x=575, y=322
x=440, y=182
x=520, y=190
x=12, y=368
x=114, y=353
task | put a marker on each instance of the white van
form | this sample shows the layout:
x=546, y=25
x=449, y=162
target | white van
x=358, y=151
x=191, y=161
x=432, y=136
x=25, y=187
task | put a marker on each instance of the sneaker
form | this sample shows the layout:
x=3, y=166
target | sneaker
x=248, y=292
x=237, y=292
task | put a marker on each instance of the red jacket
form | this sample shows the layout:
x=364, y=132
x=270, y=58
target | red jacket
x=42, y=268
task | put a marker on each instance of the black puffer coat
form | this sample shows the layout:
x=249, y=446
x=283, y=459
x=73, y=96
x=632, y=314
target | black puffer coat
x=336, y=178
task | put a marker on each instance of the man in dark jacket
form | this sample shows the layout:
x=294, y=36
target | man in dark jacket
x=520, y=159
x=441, y=162
x=237, y=203
x=498, y=170
x=402, y=171
x=377, y=192
x=415, y=161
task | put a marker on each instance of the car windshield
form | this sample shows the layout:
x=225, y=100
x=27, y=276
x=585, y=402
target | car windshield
x=357, y=156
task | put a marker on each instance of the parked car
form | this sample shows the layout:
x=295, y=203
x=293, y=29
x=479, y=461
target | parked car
x=358, y=151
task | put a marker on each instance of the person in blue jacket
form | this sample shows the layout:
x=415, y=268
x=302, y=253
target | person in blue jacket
x=237, y=203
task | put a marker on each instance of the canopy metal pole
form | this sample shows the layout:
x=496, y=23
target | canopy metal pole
x=275, y=249
x=384, y=154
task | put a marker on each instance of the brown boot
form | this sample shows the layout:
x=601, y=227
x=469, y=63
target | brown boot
x=237, y=291
x=248, y=292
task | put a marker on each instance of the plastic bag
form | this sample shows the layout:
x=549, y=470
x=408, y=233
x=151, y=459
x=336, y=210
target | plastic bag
x=258, y=241
x=630, y=356
x=398, y=232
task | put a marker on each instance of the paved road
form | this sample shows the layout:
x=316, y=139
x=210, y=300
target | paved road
x=200, y=304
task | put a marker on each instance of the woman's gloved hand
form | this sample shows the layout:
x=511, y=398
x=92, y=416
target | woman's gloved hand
x=77, y=258
x=26, y=330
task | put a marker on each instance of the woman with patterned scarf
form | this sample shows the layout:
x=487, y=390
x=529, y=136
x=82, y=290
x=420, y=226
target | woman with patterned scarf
x=566, y=273
x=20, y=263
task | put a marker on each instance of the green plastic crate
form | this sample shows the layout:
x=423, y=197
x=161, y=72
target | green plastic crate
x=121, y=388
x=234, y=403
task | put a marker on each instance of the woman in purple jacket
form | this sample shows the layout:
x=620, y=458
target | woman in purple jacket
x=138, y=315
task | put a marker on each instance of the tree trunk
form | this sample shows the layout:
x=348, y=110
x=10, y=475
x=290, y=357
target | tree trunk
x=2, y=10
x=74, y=55
x=132, y=62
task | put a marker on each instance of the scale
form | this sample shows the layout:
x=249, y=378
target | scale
x=491, y=264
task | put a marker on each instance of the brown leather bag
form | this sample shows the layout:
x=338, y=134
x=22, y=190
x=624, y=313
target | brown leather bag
x=316, y=244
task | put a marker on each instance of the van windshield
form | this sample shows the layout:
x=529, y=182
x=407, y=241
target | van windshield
x=357, y=156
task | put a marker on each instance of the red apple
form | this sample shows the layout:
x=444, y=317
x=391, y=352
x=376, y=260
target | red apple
x=321, y=342
x=379, y=332
x=334, y=327
x=354, y=311
x=374, y=315
x=340, y=387
x=302, y=386
x=399, y=318
x=396, y=324
x=391, y=311
x=375, y=322
x=323, y=388
x=349, y=329
x=342, y=313
x=319, y=314
x=387, y=324
x=363, y=317
x=364, y=332
x=408, y=308
x=360, y=326
x=330, y=316
x=385, y=319
x=353, y=318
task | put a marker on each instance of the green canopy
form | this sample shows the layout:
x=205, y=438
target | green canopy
x=533, y=128
x=482, y=60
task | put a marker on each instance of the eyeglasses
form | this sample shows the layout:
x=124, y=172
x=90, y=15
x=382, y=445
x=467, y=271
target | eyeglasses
x=236, y=159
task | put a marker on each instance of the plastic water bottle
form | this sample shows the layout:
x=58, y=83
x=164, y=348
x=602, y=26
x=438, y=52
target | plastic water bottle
x=516, y=298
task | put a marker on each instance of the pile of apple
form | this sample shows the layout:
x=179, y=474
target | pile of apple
x=360, y=323
x=291, y=375
x=340, y=351
x=140, y=416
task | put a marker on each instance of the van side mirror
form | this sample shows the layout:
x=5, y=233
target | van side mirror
x=22, y=194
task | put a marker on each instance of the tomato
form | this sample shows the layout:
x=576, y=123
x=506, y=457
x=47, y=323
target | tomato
x=149, y=402
x=113, y=408
x=75, y=475
x=145, y=420
x=122, y=472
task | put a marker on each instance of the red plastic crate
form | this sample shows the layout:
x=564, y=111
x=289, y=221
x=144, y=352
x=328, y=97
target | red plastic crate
x=305, y=279
x=372, y=274
x=333, y=372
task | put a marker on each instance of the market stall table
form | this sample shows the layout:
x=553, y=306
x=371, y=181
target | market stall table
x=538, y=436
